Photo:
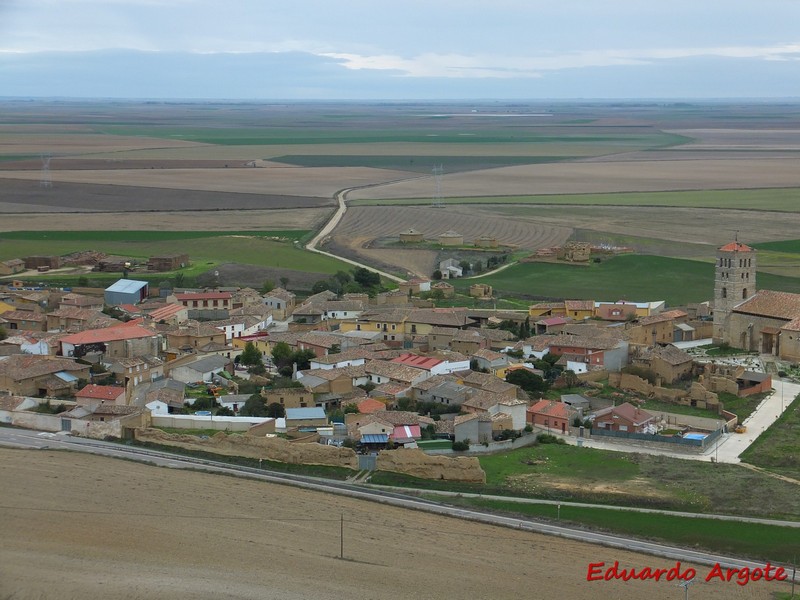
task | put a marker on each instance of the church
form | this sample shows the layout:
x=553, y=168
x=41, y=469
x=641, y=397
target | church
x=762, y=321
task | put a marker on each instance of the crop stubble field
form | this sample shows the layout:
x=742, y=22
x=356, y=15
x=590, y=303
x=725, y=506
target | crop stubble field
x=189, y=161
x=87, y=527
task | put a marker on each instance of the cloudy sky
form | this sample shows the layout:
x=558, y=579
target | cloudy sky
x=410, y=49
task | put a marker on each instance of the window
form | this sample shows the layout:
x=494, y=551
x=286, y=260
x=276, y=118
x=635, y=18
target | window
x=724, y=292
x=744, y=294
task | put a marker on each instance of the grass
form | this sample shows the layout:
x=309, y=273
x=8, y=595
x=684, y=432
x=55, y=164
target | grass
x=629, y=277
x=785, y=246
x=742, y=407
x=195, y=432
x=778, y=448
x=142, y=236
x=436, y=445
x=772, y=199
x=680, y=409
x=569, y=473
x=755, y=541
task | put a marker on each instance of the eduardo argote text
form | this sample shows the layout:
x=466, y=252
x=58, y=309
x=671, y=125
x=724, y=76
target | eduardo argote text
x=741, y=576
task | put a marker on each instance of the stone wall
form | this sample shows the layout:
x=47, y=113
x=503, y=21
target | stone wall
x=416, y=463
x=276, y=449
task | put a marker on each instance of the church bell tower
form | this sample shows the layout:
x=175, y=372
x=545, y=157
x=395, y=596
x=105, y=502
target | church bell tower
x=734, y=282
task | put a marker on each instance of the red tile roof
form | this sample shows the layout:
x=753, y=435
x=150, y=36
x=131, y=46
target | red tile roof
x=204, y=296
x=551, y=409
x=125, y=331
x=167, y=311
x=420, y=362
x=370, y=405
x=770, y=303
x=736, y=247
x=100, y=392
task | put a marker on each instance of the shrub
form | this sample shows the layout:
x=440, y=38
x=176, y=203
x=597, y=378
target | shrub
x=547, y=438
x=528, y=428
x=461, y=446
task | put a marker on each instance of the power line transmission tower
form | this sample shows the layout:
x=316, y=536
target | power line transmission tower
x=438, y=202
x=46, y=181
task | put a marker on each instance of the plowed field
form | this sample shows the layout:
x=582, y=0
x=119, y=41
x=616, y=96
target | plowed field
x=76, y=526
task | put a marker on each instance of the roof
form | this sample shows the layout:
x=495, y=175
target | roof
x=450, y=233
x=671, y=354
x=374, y=438
x=393, y=370
x=24, y=315
x=554, y=321
x=769, y=303
x=204, y=296
x=489, y=355
x=415, y=360
x=629, y=412
x=126, y=286
x=406, y=433
x=167, y=311
x=579, y=304
x=753, y=376
x=551, y=409
x=208, y=363
x=100, y=392
x=125, y=331
x=26, y=366
x=370, y=405
x=736, y=247
x=448, y=317
x=793, y=325
x=483, y=400
x=314, y=412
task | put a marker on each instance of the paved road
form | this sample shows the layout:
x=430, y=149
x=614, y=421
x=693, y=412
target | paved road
x=329, y=227
x=21, y=438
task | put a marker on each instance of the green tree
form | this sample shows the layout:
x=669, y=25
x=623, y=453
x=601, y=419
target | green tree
x=276, y=410
x=284, y=281
x=250, y=356
x=267, y=286
x=180, y=279
x=3, y=333
x=281, y=354
x=437, y=275
x=530, y=382
x=366, y=278
x=254, y=407
x=83, y=281
x=343, y=277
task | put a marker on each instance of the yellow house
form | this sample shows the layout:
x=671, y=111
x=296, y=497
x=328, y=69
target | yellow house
x=4, y=307
x=547, y=309
x=261, y=342
x=389, y=323
x=579, y=309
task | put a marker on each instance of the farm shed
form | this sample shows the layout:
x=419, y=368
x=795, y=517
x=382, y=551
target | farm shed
x=126, y=291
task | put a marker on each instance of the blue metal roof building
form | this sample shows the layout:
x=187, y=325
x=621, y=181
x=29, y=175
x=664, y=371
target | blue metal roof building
x=126, y=291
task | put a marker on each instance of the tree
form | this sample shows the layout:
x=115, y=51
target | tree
x=320, y=286
x=284, y=281
x=343, y=277
x=530, y=382
x=335, y=349
x=254, y=407
x=250, y=356
x=281, y=354
x=366, y=278
x=83, y=281
x=267, y=286
x=437, y=275
x=525, y=328
x=436, y=294
x=180, y=279
x=276, y=410
x=465, y=265
x=225, y=412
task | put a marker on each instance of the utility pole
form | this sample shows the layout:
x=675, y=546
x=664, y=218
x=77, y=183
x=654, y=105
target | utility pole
x=341, y=537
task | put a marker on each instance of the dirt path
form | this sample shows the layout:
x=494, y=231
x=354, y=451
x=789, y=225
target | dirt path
x=80, y=526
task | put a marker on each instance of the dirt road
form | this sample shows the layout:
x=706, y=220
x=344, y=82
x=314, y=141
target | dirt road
x=78, y=526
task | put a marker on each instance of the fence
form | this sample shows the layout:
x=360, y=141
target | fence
x=647, y=437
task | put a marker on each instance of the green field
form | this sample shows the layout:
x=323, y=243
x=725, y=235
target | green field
x=778, y=199
x=778, y=448
x=783, y=247
x=629, y=277
x=755, y=541
x=279, y=249
x=569, y=473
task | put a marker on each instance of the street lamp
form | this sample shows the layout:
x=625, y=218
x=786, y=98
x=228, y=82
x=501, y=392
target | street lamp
x=685, y=585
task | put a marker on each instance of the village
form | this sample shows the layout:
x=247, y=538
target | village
x=381, y=371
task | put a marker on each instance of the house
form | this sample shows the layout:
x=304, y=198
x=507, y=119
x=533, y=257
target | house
x=33, y=342
x=234, y=402
x=305, y=417
x=289, y=397
x=415, y=286
x=120, y=341
x=172, y=313
x=547, y=309
x=92, y=395
x=551, y=415
x=205, y=305
x=388, y=322
x=448, y=393
x=333, y=381
x=192, y=336
x=12, y=266
x=24, y=320
x=137, y=369
x=126, y=291
x=81, y=301
x=450, y=268
x=623, y=310
x=421, y=321
x=655, y=329
x=27, y=375
x=201, y=370
x=472, y=428
x=238, y=326
x=281, y=302
x=489, y=383
x=596, y=352
x=433, y=366
x=347, y=358
x=72, y=318
x=490, y=360
x=625, y=418
x=667, y=362
x=342, y=309
x=380, y=371
x=750, y=383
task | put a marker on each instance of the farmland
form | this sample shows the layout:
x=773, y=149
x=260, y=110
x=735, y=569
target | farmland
x=633, y=278
x=651, y=177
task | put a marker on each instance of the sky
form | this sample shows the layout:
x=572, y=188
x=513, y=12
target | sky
x=410, y=49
